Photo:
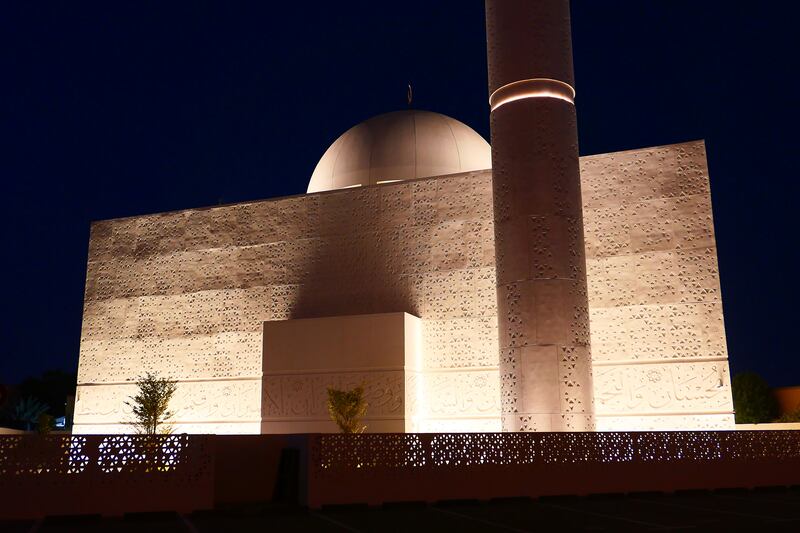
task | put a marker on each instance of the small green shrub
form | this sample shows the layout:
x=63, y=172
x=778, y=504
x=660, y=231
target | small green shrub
x=346, y=408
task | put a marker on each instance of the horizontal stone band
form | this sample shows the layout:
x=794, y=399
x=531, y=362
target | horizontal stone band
x=534, y=88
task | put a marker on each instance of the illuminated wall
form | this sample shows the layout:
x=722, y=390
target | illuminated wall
x=302, y=358
x=660, y=359
x=185, y=294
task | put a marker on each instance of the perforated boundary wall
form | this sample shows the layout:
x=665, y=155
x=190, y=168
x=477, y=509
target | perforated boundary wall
x=373, y=469
x=115, y=474
x=109, y=475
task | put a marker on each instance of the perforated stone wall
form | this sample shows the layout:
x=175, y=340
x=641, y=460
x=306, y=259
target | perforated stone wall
x=185, y=294
x=659, y=354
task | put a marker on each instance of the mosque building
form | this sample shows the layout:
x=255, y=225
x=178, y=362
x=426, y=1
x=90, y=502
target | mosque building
x=468, y=287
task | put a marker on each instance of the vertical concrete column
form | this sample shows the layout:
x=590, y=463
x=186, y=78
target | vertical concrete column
x=542, y=306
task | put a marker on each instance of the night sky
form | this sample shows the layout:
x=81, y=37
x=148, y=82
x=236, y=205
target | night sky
x=126, y=108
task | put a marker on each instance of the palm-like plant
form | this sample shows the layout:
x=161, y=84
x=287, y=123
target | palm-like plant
x=346, y=408
x=28, y=410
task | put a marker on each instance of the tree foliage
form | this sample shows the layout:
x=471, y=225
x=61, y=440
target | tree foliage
x=792, y=417
x=52, y=387
x=346, y=408
x=27, y=411
x=151, y=404
x=753, y=400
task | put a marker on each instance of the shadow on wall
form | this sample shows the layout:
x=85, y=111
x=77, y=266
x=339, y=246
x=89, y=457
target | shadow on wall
x=356, y=263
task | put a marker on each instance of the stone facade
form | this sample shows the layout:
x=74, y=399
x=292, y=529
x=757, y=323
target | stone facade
x=185, y=294
x=304, y=357
x=660, y=358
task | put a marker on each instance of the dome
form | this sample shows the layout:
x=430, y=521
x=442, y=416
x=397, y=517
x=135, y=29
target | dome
x=399, y=146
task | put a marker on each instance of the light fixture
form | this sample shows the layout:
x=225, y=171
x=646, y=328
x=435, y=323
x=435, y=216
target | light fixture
x=533, y=88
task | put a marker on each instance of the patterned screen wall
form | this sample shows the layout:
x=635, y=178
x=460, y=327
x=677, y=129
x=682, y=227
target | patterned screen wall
x=658, y=340
x=185, y=294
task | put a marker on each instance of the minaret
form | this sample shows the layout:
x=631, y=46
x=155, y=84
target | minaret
x=542, y=307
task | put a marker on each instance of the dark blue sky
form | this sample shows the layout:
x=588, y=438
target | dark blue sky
x=124, y=108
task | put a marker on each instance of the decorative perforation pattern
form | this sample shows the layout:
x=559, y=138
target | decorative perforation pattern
x=43, y=475
x=575, y=371
x=402, y=450
x=185, y=294
x=58, y=455
x=522, y=23
x=50, y=455
x=126, y=453
x=370, y=454
x=654, y=291
x=540, y=264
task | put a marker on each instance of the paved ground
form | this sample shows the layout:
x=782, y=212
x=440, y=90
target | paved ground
x=721, y=511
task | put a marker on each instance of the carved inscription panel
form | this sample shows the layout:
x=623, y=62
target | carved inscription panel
x=205, y=401
x=667, y=387
x=305, y=395
x=461, y=394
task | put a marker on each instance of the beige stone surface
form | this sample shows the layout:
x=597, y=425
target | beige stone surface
x=400, y=145
x=542, y=302
x=186, y=294
x=207, y=406
x=528, y=38
x=658, y=337
x=303, y=357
